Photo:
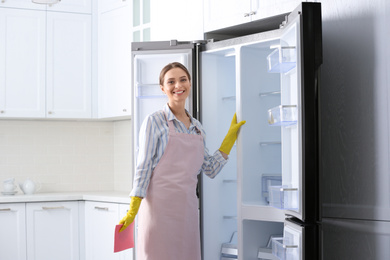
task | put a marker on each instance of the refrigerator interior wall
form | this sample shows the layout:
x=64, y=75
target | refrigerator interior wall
x=148, y=95
x=218, y=97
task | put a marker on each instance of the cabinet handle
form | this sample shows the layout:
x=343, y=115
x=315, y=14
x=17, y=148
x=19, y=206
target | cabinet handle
x=246, y=14
x=3, y=1
x=252, y=13
x=2, y=111
x=101, y=208
x=124, y=110
x=8, y=209
x=48, y=208
x=50, y=112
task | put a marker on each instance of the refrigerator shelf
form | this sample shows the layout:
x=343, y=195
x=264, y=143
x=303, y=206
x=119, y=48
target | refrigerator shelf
x=266, y=94
x=270, y=143
x=283, y=197
x=284, y=248
x=283, y=115
x=282, y=59
x=233, y=98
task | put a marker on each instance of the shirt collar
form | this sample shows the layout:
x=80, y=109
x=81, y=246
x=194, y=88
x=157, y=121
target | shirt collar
x=171, y=116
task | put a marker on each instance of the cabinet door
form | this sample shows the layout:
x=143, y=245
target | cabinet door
x=12, y=231
x=73, y=6
x=100, y=221
x=52, y=231
x=68, y=65
x=115, y=63
x=219, y=13
x=24, y=4
x=22, y=63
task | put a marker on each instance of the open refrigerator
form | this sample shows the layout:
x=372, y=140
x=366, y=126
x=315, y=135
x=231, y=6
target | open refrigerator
x=264, y=203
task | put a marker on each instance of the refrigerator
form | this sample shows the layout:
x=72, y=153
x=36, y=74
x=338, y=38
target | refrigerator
x=264, y=203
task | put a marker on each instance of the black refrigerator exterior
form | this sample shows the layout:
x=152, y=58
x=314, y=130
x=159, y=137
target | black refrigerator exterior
x=264, y=203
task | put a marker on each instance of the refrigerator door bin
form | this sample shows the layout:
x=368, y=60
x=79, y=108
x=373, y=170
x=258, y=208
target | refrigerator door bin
x=284, y=115
x=285, y=249
x=266, y=254
x=267, y=181
x=229, y=250
x=282, y=59
x=283, y=197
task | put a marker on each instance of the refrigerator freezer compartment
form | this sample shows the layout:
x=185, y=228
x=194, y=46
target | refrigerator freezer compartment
x=283, y=197
x=283, y=115
x=282, y=59
x=284, y=249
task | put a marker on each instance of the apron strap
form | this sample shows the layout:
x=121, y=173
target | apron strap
x=170, y=123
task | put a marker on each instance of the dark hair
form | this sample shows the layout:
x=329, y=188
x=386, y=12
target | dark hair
x=170, y=66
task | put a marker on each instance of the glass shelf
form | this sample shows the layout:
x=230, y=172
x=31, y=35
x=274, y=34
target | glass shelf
x=266, y=94
x=270, y=143
x=233, y=98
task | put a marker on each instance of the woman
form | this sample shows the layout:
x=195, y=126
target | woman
x=172, y=153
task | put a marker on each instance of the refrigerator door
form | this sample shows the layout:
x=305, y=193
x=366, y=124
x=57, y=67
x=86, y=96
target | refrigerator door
x=273, y=169
x=148, y=60
x=355, y=239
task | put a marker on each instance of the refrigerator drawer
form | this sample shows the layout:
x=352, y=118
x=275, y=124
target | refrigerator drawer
x=285, y=248
x=282, y=59
x=284, y=115
x=283, y=197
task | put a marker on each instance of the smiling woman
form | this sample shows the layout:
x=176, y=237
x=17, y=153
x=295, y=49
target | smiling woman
x=175, y=82
x=172, y=152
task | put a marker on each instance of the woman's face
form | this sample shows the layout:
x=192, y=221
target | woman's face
x=176, y=85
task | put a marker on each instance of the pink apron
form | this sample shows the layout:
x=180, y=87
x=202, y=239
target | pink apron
x=168, y=227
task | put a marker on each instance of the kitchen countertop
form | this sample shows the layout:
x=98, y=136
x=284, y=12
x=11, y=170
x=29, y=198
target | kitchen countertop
x=101, y=196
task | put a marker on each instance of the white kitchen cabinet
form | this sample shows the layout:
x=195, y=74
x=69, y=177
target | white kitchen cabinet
x=219, y=14
x=100, y=221
x=72, y=6
x=52, y=230
x=224, y=13
x=114, y=70
x=46, y=62
x=69, y=65
x=24, y=4
x=22, y=63
x=12, y=231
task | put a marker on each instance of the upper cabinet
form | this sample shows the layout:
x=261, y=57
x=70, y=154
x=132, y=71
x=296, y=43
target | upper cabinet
x=68, y=71
x=114, y=54
x=68, y=60
x=219, y=14
x=22, y=63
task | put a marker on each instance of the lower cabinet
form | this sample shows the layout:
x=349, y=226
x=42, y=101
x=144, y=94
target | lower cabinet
x=100, y=221
x=68, y=230
x=13, y=231
x=52, y=230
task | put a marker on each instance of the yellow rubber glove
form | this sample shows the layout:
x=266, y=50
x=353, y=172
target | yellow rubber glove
x=129, y=218
x=231, y=136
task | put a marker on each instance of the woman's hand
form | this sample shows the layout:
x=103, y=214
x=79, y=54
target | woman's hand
x=231, y=136
x=131, y=213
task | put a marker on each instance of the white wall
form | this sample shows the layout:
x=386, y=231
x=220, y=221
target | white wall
x=67, y=156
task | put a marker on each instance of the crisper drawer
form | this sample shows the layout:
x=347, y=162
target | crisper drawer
x=299, y=242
